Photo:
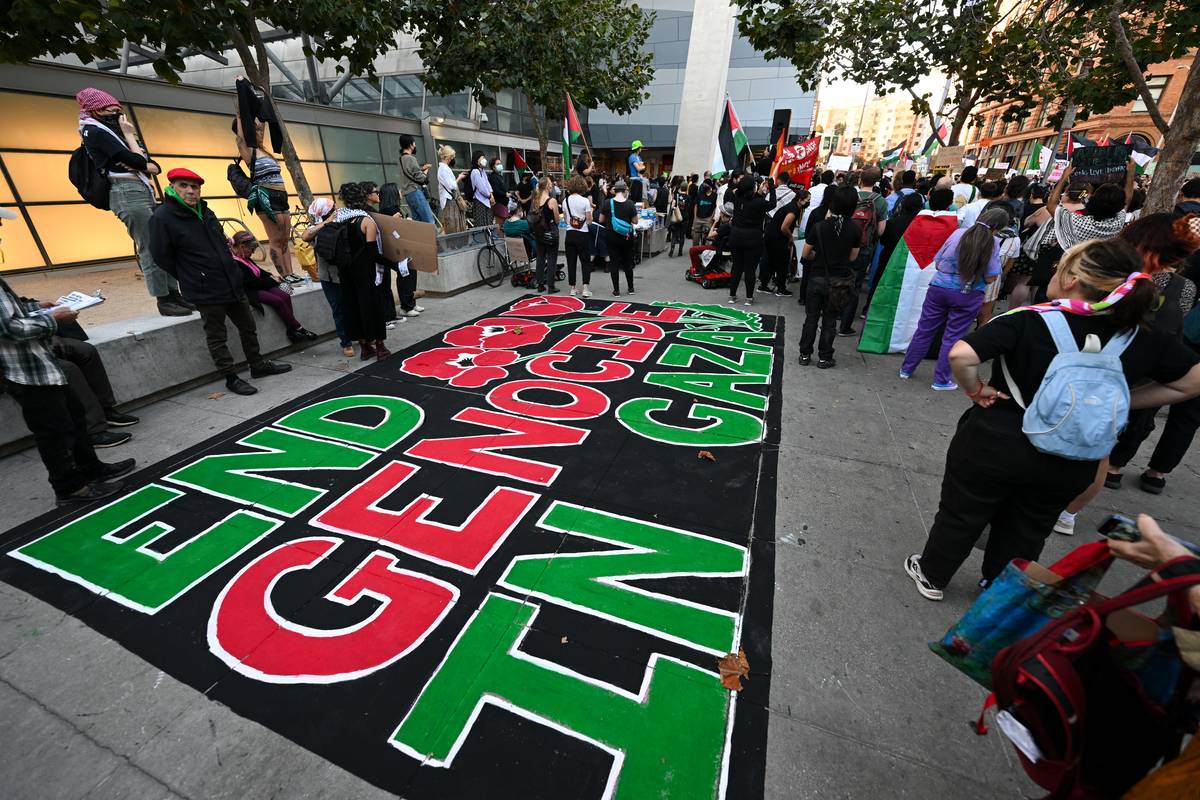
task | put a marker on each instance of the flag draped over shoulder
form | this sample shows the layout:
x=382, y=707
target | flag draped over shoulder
x=900, y=294
x=572, y=130
x=731, y=141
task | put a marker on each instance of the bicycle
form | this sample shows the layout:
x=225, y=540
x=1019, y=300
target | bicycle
x=300, y=223
x=494, y=260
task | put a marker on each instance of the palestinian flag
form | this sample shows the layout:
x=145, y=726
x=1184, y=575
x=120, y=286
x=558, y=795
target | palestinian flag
x=900, y=294
x=519, y=163
x=572, y=130
x=892, y=156
x=935, y=140
x=1075, y=141
x=731, y=141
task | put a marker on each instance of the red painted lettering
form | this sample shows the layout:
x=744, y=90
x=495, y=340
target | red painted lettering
x=476, y=452
x=585, y=402
x=628, y=350
x=464, y=547
x=545, y=367
x=621, y=327
x=622, y=310
x=252, y=637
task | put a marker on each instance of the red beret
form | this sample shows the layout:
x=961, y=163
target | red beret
x=179, y=173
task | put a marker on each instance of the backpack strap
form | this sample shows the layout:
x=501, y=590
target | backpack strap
x=1064, y=340
x=1117, y=344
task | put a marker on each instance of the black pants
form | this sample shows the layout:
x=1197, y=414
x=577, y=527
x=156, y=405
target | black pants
x=817, y=309
x=406, y=287
x=779, y=258
x=744, y=265
x=675, y=237
x=620, y=254
x=1182, y=421
x=59, y=428
x=213, y=316
x=861, y=266
x=578, y=247
x=547, y=262
x=994, y=476
x=87, y=379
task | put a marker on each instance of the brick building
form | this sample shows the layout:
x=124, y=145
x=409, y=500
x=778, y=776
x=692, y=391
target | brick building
x=997, y=142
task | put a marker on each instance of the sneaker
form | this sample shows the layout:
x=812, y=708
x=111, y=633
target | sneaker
x=944, y=387
x=905, y=375
x=238, y=386
x=1065, y=524
x=265, y=368
x=912, y=565
x=119, y=420
x=573, y=292
x=850, y=332
x=115, y=470
x=749, y=301
x=616, y=294
x=294, y=279
x=419, y=309
x=391, y=323
x=587, y=292
x=348, y=351
x=96, y=490
x=1151, y=484
x=307, y=334
x=1112, y=480
x=826, y=363
x=412, y=312
x=784, y=293
x=631, y=291
x=109, y=439
x=805, y=360
x=733, y=299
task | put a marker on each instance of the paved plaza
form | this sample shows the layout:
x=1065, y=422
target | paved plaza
x=858, y=705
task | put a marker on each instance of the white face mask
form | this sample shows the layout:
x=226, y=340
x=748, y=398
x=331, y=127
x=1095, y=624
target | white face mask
x=482, y=162
x=498, y=166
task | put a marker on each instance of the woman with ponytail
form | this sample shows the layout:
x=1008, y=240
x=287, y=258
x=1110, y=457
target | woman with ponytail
x=994, y=475
x=966, y=263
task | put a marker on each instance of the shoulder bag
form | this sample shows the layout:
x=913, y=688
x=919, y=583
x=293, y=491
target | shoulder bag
x=841, y=289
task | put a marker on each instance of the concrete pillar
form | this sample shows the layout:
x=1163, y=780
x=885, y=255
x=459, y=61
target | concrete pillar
x=703, y=86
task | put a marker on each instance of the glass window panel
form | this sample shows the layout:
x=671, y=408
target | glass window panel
x=318, y=179
x=35, y=121
x=402, y=95
x=348, y=144
x=6, y=195
x=40, y=177
x=456, y=106
x=235, y=209
x=17, y=247
x=80, y=232
x=190, y=133
x=346, y=173
x=213, y=170
x=1157, y=84
x=391, y=173
x=462, y=153
x=307, y=141
x=361, y=94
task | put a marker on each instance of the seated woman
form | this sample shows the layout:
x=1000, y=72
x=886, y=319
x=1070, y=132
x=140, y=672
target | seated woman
x=263, y=289
x=518, y=226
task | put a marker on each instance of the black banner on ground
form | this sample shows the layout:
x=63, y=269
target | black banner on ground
x=503, y=562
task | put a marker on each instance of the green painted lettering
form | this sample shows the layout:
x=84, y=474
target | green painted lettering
x=742, y=340
x=595, y=582
x=726, y=426
x=682, y=355
x=721, y=386
x=671, y=733
x=126, y=570
x=400, y=418
x=232, y=475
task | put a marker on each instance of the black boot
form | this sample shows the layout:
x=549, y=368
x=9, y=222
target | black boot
x=238, y=386
x=265, y=368
x=168, y=308
x=175, y=297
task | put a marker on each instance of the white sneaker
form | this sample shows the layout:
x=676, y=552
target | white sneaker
x=912, y=565
x=418, y=309
x=411, y=313
x=391, y=323
x=733, y=300
x=573, y=294
x=587, y=292
x=1065, y=524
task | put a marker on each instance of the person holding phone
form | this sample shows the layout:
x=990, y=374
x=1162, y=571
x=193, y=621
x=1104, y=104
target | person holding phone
x=33, y=377
x=111, y=143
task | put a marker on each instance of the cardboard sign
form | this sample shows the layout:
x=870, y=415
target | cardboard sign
x=408, y=238
x=993, y=174
x=840, y=163
x=949, y=156
x=1097, y=165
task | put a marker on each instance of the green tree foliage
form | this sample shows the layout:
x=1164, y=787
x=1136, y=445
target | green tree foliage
x=547, y=48
x=891, y=44
x=1039, y=56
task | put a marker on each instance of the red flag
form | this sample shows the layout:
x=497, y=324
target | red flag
x=779, y=146
x=1104, y=141
x=799, y=159
x=1129, y=138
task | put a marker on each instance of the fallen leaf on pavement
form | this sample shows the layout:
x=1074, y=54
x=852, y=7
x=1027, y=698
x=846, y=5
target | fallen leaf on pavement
x=704, y=454
x=216, y=395
x=517, y=330
x=733, y=668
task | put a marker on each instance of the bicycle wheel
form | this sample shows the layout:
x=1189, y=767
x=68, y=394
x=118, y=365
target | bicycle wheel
x=490, y=267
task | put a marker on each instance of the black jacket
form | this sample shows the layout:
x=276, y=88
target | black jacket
x=195, y=253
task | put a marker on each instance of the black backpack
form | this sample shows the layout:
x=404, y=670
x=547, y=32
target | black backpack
x=92, y=184
x=333, y=244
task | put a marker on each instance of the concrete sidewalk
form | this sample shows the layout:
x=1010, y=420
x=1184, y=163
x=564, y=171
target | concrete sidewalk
x=859, y=706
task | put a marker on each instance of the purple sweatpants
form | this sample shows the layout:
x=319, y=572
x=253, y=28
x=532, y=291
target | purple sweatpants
x=281, y=303
x=957, y=311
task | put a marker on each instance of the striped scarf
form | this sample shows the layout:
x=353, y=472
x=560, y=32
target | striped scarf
x=1082, y=307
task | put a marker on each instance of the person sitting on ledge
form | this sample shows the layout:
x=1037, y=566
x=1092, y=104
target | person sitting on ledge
x=262, y=288
x=187, y=241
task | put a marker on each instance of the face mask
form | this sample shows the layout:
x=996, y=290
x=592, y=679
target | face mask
x=108, y=119
x=497, y=166
x=450, y=163
x=482, y=162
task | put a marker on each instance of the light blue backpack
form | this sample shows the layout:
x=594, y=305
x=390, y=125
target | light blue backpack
x=1083, y=402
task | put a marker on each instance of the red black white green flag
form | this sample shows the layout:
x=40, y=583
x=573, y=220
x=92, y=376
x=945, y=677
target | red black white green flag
x=731, y=141
x=572, y=130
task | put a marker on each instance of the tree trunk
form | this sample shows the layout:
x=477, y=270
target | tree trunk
x=1178, y=145
x=960, y=120
x=540, y=131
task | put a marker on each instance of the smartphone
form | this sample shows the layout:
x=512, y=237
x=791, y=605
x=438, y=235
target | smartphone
x=1121, y=528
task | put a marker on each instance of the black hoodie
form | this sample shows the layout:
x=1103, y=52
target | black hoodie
x=191, y=247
